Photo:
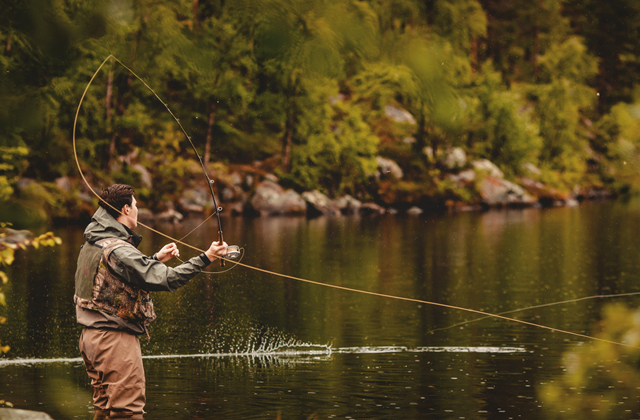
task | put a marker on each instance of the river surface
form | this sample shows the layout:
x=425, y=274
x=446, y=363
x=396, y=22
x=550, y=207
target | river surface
x=246, y=344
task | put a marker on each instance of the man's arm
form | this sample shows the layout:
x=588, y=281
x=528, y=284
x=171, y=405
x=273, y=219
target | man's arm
x=151, y=274
x=138, y=270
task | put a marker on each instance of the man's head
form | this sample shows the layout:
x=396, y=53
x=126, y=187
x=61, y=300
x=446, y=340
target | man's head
x=124, y=209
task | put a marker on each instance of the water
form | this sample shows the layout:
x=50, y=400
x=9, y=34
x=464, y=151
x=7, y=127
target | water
x=245, y=344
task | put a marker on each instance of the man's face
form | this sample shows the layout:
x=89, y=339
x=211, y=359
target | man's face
x=131, y=213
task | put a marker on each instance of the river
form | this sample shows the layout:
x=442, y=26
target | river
x=245, y=344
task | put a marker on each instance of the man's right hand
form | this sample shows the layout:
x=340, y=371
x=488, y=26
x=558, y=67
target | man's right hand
x=216, y=250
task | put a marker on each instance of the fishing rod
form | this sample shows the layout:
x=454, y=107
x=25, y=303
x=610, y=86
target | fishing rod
x=233, y=251
x=333, y=286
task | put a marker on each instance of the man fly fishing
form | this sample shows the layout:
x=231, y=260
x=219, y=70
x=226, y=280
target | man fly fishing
x=112, y=284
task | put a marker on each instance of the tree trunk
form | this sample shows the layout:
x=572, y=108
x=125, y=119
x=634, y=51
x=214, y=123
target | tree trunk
x=7, y=48
x=536, y=51
x=107, y=99
x=474, y=55
x=112, y=144
x=196, y=4
x=111, y=151
x=207, y=144
x=286, y=143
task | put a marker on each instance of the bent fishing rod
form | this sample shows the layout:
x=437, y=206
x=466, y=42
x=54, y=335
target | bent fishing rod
x=236, y=252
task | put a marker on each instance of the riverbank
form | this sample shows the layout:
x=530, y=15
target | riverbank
x=256, y=191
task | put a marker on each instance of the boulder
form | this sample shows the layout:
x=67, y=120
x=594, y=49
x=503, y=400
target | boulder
x=488, y=167
x=169, y=215
x=15, y=414
x=372, y=208
x=455, y=158
x=414, y=211
x=195, y=200
x=347, y=204
x=399, y=115
x=319, y=204
x=499, y=192
x=531, y=169
x=546, y=196
x=388, y=166
x=145, y=175
x=63, y=183
x=463, y=178
x=270, y=198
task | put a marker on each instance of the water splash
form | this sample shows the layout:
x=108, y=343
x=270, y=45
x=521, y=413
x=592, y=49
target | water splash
x=291, y=351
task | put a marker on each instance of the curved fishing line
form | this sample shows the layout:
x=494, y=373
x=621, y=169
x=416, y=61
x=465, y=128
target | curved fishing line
x=543, y=305
x=273, y=273
x=75, y=151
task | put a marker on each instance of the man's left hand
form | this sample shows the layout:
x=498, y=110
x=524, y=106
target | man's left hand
x=167, y=252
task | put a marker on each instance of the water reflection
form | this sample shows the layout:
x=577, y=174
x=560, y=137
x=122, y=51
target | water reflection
x=495, y=261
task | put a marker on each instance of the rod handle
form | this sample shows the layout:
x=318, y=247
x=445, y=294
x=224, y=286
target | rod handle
x=221, y=241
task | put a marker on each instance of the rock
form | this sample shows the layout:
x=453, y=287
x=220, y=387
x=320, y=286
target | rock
x=531, y=169
x=145, y=175
x=414, y=211
x=484, y=165
x=347, y=204
x=455, y=158
x=495, y=191
x=145, y=215
x=428, y=152
x=388, y=166
x=237, y=209
x=271, y=177
x=15, y=414
x=334, y=99
x=270, y=198
x=24, y=183
x=319, y=204
x=399, y=115
x=195, y=200
x=63, y=183
x=548, y=197
x=371, y=208
x=231, y=193
x=464, y=177
x=170, y=215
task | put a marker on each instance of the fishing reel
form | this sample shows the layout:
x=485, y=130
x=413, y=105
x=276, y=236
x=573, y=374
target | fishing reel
x=233, y=252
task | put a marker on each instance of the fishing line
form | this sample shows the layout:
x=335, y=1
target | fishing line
x=273, y=273
x=542, y=305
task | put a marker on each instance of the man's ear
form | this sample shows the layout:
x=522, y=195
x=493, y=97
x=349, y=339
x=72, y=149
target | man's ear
x=125, y=209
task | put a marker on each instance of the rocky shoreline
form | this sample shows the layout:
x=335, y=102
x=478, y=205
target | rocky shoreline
x=254, y=191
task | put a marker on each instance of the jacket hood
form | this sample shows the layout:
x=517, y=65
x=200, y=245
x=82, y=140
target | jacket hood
x=103, y=226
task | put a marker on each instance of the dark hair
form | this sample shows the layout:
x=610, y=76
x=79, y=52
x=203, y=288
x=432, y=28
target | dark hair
x=117, y=195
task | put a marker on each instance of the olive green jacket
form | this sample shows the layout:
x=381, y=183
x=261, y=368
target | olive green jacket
x=134, y=269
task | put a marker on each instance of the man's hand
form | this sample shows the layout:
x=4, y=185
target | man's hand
x=167, y=252
x=216, y=250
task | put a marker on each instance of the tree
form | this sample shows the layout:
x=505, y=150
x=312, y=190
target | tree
x=296, y=41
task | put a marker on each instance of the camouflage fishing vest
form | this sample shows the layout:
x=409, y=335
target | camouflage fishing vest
x=99, y=289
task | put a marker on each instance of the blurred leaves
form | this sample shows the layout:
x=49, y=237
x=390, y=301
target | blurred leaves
x=601, y=379
x=11, y=241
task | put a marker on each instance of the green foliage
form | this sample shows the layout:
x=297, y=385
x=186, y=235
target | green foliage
x=619, y=139
x=601, y=378
x=502, y=128
x=339, y=149
x=10, y=242
x=12, y=165
x=513, y=82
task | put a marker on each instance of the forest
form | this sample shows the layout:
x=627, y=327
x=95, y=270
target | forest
x=392, y=102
